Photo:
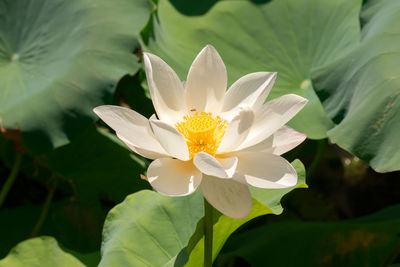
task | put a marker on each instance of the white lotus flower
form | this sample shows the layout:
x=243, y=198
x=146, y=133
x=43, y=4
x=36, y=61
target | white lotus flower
x=204, y=136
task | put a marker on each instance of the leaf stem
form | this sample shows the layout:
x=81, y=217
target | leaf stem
x=10, y=179
x=46, y=206
x=208, y=233
x=321, y=148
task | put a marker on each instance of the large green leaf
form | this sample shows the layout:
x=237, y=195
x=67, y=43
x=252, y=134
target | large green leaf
x=149, y=229
x=287, y=36
x=367, y=241
x=39, y=252
x=59, y=59
x=361, y=91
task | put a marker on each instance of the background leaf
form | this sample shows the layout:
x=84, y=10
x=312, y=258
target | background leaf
x=39, y=252
x=60, y=59
x=287, y=36
x=361, y=91
x=367, y=241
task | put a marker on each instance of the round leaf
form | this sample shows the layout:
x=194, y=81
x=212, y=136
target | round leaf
x=149, y=229
x=60, y=59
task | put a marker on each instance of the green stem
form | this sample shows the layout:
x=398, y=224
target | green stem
x=45, y=209
x=321, y=148
x=10, y=179
x=208, y=233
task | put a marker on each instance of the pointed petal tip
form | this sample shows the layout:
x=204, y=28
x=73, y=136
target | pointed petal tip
x=301, y=100
x=96, y=109
x=209, y=49
x=146, y=59
x=147, y=54
x=208, y=46
x=99, y=109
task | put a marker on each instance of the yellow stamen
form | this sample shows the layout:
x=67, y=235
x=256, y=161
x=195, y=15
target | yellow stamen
x=202, y=132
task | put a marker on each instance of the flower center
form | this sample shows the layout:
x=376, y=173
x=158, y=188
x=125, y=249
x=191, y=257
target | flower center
x=202, y=132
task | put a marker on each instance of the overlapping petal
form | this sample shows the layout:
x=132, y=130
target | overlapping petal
x=272, y=116
x=229, y=196
x=266, y=170
x=238, y=129
x=283, y=140
x=173, y=177
x=142, y=151
x=206, y=82
x=221, y=167
x=165, y=88
x=170, y=139
x=132, y=128
x=251, y=90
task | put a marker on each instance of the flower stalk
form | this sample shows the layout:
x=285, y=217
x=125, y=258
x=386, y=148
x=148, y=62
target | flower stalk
x=10, y=179
x=208, y=233
x=46, y=206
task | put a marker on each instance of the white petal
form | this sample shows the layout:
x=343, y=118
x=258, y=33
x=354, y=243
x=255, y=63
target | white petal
x=132, y=128
x=173, y=177
x=237, y=130
x=266, y=170
x=141, y=151
x=272, y=116
x=206, y=82
x=228, y=196
x=221, y=167
x=251, y=89
x=165, y=88
x=280, y=142
x=170, y=139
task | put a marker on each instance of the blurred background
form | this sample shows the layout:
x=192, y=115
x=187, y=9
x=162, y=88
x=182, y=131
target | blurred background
x=62, y=170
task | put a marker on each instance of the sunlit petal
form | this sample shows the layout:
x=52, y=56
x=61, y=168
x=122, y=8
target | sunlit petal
x=221, y=167
x=251, y=90
x=266, y=170
x=165, y=88
x=206, y=82
x=272, y=116
x=132, y=128
x=230, y=197
x=173, y=177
